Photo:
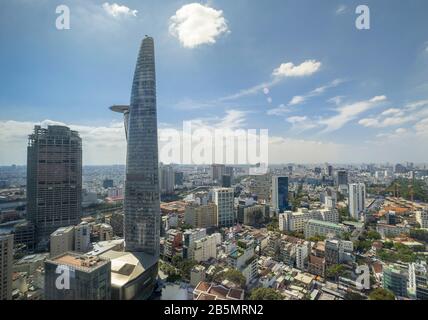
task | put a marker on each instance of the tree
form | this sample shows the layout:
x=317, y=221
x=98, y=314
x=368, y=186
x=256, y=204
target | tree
x=335, y=271
x=381, y=294
x=232, y=275
x=185, y=266
x=374, y=235
x=354, y=296
x=273, y=225
x=265, y=294
x=362, y=245
x=316, y=238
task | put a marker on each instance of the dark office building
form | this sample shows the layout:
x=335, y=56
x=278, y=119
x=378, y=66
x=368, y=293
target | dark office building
x=342, y=177
x=179, y=178
x=54, y=179
x=72, y=276
x=108, y=183
x=23, y=234
x=280, y=194
x=226, y=181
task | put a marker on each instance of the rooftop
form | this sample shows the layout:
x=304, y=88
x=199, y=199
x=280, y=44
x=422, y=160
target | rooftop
x=78, y=261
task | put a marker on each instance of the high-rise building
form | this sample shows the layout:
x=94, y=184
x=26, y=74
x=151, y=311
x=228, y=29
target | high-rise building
x=226, y=181
x=357, y=200
x=217, y=172
x=279, y=194
x=178, y=178
x=72, y=276
x=108, y=183
x=342, y=178
x=54, y=179
x=142, y=194
x=167, y=179
x=6, y=260
x=200, y=215
x=82, y=237
x=224, y=200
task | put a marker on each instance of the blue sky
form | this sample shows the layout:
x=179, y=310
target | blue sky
x=325, y=90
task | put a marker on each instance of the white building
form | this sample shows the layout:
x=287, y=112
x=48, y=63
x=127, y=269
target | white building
x=62, y=241
x=322, y=228
x=356, y=200
x=244, y=259
x=302, y=251
x=189, y=238
x=295, y=221
x=224, y=200
x=422, y=218
x=205, y=248
x=82, y=237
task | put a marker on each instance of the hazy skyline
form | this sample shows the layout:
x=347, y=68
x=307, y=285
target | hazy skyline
x=326, y=91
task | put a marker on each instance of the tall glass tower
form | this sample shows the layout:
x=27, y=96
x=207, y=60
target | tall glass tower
x=279, y=194
x=142, y=202
x=142, y=197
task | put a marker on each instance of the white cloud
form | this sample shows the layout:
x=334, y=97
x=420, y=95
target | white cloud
x=336, y=100
x=280, y=110
x=195, y=24
x=397, y=116
x=115, y=10
x=316, y=92
x=349, y=112
x=250, y=91
x=341, y=9
x=297, y=119
x=296, y=100
x=422, y=128
x=288, y=69
x=283, y=71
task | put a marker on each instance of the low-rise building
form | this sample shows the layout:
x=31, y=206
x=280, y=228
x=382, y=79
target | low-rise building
x=322, y=228
x=211, y=291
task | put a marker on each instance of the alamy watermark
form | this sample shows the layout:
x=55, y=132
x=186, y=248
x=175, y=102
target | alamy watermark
x=216, y=145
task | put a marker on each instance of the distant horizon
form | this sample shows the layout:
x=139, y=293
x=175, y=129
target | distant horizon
x=249, y=165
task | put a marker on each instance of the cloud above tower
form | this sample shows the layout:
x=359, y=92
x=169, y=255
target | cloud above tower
x=115, y=10
x=195, y=24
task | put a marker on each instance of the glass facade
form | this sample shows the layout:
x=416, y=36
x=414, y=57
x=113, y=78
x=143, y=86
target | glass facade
x=142, y=203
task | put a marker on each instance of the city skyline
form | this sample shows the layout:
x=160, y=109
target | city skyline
x=327, y=93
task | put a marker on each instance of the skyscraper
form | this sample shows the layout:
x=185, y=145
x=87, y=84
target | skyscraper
x=342, y=178
x=6, y=260
x=279, y=194
x=356, y=200
x=142, y=196
x=54, y=179
x=224, y=199
x=217, y=171
x=166, y=177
